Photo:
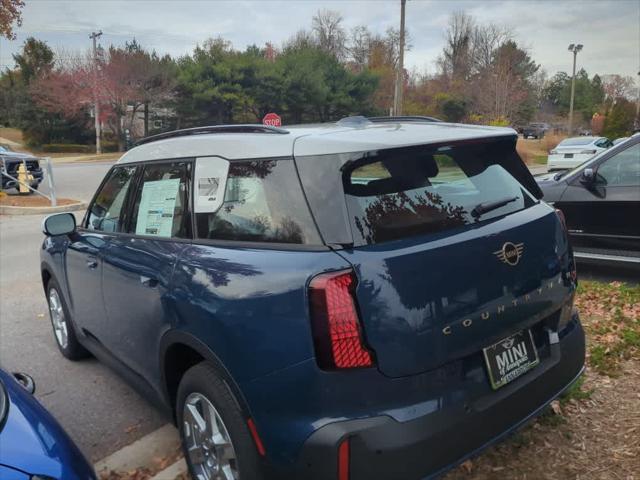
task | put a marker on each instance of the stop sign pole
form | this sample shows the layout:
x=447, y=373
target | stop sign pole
x=272, y=119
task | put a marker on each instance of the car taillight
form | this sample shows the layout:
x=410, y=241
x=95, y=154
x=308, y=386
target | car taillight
x=588, y=152
x=337, y=333
x=553, y=152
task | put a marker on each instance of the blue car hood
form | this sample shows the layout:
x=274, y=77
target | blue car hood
x=32, y=441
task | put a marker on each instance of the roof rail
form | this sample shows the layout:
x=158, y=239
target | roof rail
x=354, y=121
x=245, y=128
x=404, y=118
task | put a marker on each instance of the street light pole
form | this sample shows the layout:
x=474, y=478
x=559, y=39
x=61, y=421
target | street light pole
x=575, y=49
x=96, y=101
x=397, y=97
x=638, y=105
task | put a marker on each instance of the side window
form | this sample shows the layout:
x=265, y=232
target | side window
x=105, y=214
x=161, y=206
x=623, y=169
x=263, y=202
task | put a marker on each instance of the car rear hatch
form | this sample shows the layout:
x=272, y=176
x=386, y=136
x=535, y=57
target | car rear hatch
x=452, y=253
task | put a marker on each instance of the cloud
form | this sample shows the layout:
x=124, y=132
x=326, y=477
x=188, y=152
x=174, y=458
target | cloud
x=610, y=30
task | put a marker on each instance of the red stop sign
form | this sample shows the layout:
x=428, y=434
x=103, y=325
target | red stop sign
x=272, y=119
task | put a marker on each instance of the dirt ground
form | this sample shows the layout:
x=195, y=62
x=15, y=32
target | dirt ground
x=583, y=439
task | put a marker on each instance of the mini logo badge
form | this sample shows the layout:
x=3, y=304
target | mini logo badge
x=510, y=253
x=508, y=343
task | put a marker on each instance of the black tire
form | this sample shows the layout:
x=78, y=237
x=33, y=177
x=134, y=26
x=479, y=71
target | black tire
x=72, y=350
x=204, y=379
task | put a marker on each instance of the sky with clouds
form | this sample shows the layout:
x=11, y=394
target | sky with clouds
x=609, y=29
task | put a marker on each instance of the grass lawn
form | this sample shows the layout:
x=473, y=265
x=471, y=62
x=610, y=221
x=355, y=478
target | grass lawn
x=11, y=134
x=536, y=151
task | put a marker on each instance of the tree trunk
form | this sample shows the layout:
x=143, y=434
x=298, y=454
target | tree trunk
x=119, y=133
x=146, y=119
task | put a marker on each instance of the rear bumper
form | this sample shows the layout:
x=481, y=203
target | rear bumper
x=558, y=162
x=382, y=448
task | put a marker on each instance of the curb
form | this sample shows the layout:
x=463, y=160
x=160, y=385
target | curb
x=12, y=210
x=172, y=471
x=143, y=452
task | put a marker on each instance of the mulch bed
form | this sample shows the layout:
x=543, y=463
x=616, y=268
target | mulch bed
x=583, y=439
x=33, y=200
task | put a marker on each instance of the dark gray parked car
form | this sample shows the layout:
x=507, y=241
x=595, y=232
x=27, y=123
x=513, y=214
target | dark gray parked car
x=535, y=130
x=10, y=162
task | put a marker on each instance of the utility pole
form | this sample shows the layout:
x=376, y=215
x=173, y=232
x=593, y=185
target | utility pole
x=397, y=97
x=575, y=49
x=637, y=122
x=96, y=101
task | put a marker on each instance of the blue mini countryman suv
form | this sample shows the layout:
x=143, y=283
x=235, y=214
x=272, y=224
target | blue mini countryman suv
x=367, y=299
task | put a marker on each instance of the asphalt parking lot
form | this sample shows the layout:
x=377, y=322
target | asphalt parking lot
x=99, y=410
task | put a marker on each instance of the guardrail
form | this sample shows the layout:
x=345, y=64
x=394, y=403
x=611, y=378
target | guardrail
x=49, y=174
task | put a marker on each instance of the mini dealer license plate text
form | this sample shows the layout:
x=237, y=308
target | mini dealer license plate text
x=510, y=357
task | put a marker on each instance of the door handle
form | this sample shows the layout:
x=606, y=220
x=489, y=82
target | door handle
x=92, y=262
x=148, y=281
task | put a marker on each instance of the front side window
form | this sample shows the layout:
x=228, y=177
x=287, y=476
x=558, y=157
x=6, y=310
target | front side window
x=263, y=202
x=420, y=190
x=106, y=212
x=623, y=169
x=161, y=202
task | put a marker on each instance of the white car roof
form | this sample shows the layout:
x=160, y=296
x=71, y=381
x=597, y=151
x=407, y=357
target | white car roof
x=587, y=140
x=319, y=139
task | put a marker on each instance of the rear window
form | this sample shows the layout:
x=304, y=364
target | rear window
x=568, y=142
x=397, y=193
x=263, y=202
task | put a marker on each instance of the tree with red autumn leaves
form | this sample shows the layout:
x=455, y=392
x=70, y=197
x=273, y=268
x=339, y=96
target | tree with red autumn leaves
x=10, y=13
x=126, y=80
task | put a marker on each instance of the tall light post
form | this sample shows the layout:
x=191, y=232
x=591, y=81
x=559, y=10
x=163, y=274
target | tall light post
x=575, y=48
x=397, y=97
x=637, y=122
x=96, y=108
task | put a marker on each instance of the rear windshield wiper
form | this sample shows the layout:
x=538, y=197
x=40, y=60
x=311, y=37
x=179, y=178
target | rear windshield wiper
x=483, y=208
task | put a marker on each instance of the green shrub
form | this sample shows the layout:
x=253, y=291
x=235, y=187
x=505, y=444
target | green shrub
x=109, y=146
x=500, y=122
x=67, y=148
x=619, y=121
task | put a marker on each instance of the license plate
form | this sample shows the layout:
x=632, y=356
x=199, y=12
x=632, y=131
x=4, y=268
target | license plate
x=510, y=357
x=568, y=155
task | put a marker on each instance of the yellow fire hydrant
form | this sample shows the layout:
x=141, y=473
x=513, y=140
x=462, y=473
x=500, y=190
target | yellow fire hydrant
x=24, y=177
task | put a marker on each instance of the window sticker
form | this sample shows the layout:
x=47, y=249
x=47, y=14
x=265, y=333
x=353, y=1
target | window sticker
x=211, y=181
x=157, y=207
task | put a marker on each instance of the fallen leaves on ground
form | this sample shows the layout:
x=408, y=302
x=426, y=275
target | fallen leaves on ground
x=610, y=315
x=597, y=438
x=159, y=464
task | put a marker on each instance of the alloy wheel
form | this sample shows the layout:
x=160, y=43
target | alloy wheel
x=208, y=443
x=58, y=318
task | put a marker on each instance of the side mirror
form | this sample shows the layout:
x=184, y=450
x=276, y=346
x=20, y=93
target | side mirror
x=588, y=176
x=59, y=224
